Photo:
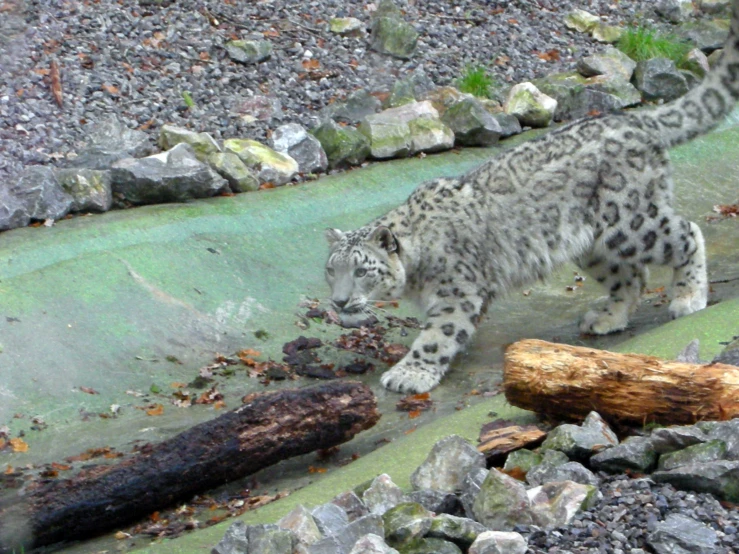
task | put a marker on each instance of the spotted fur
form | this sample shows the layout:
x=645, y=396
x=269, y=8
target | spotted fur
x=597, y=191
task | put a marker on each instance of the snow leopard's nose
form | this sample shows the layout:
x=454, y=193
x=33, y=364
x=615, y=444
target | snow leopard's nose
x=340, y=303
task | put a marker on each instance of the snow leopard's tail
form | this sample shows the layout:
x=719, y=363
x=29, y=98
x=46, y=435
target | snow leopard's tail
x=704, y=107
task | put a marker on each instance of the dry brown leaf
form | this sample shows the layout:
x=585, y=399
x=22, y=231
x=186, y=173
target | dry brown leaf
x=19, y=445
x=178, y=385
x=311, y=64
x=155, y=410
x=89, y=390
x=120, y=536
x=56, y=82
x=9, y=470
x=312, y=469
x=727, y=210
x=271, y=33
x=110, y=89
x=549, y=56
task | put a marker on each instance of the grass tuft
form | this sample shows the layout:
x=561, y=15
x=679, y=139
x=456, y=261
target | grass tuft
x=476, y=81
x=644, y=43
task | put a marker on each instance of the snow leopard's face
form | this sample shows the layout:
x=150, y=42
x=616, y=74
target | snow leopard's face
x=363, y=267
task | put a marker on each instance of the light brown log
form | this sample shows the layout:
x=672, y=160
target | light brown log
x=501, y=438
x=567, y=382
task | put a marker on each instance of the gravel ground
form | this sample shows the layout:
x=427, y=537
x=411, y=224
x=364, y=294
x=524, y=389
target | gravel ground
x=135, y=59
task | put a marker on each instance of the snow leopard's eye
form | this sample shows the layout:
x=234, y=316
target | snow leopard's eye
x=330, y=271
x=360, y=272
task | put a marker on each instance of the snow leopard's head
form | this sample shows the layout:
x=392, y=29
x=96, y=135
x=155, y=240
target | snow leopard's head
x=363, y=267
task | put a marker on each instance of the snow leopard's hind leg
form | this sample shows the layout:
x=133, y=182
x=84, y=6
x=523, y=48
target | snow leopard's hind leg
x=625, y=283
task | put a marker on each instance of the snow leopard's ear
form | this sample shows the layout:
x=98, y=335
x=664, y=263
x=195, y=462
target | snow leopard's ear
x=384, y=237
x=333, y=236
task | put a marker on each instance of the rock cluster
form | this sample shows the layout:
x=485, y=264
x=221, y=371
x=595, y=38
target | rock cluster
x=458, y=505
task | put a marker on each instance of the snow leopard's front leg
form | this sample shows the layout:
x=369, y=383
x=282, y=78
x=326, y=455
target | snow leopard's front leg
x=451, y=322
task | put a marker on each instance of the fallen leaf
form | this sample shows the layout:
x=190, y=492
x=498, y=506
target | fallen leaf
x=513, y=21
x=178, y=385
x=311, y=64
x=727, y=210
x=9, y=470
x=312, y=469
x=19, y=445
x=89, y=390
x=271, y=33
x=120, y=536
x=60, y=467
x=110, y=89
x=413, y=414
x=219, y=405
x=155, y=410
x=502, y=60
x=56, y=82
x=549, y=56
x=204, y=56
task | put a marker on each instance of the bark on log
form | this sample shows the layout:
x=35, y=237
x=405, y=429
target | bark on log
x=500, y=438
x=567, y=382
x=270, y=428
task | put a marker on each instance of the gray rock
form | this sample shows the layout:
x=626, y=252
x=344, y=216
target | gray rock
x=301, y=523
x=406, y=523
x=459, y=530
x=720, y=478
x=249, y=51
x=635, y=453
x=509, y=124
x=727, y=431
x=730, y=354
x=472, y=123
x=390, y=34
x=698, y=453
x=439, y=502
x=344, y=541
x=714, y=57
x=270, y=539
x=401, y=94
x=372, y=544
x=202, y=143
x=40, y=195
x=690, y=354
x=675, y=11
x=606, y=33
x=446, y=466
x=229, y=166
x=429, y=134
x=696, y=62
x=556, y=504
x=581, y=21
x=443, y=98
x=382, y=495
x=530, y=105
x=234, y=541
x=346, y=26
x=714, y=6
x=270, y=166
x=669, y=439
x=471, y=485
x=172, y=176
x=498, y=542
x=610, y=62
x=432, y=546
x=658, y=78
x=352, y=505
x=90, y=189
x=354, y=108
x=502, y=503
x=293, y=140
x=571, y=471
x=581, y=441
x=330, y=518
x=522, y=459
x=708, y=35
x=388, y=137
x=12, y=212
x=344, y=146
x=680, y=534
x=111, y=141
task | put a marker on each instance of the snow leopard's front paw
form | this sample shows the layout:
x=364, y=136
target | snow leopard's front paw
x=602, y=322
x=411, y=377
x=688, y=303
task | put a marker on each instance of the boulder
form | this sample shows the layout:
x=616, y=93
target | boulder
x=471, y=485
x=234, y=541
x=502, y=503
x=173, y=176
x=556, y=504
x=390, y=34
x=111, y=141
x=680, y=534
x=472, y=124
x=270, y=539
x=611, y=62
x=90, y=189
x=459, y=530
x=12, y=212
x=581, y=441
x=509, y=124
x=344, y=146
x=270, y=166
x=697, y=62
x=522, y=459
x=293, y=140
x=659, y=79
x=405, y=523
x=715, y=6
x=351, y=504
x=727, y=431
x=570, y=471
x=581, y=21
x=606, y=33
x=410, y=89
x=249, y=51
x=677, y=437
x=633, y=454
x=709, y=451
x=431, y=546
x=530, y=106
x=443, y=98
x=382, y=495
x=229, y=166
x=675, y=11
x=446, y=466
x=439, y=502
x=498, y=542
x=330, y=518
x=346, y=26
x=301, y=523
x=202, y=144
x=354, y=108
x=708, y=35
x=372, y=544
x=345, y=540
x=39, y=194
x=720, y=478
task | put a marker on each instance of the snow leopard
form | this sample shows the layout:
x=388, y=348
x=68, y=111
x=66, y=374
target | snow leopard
x=597, y=191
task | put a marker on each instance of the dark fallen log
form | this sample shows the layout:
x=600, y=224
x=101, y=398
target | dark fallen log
x=269, y=428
